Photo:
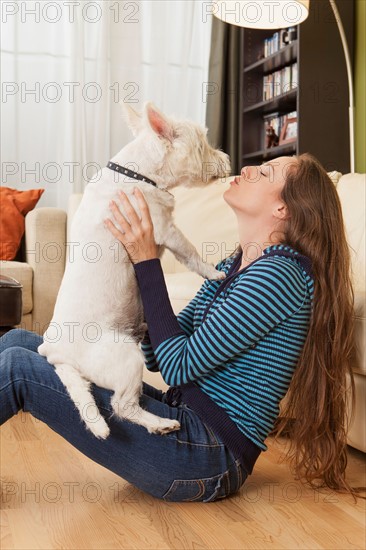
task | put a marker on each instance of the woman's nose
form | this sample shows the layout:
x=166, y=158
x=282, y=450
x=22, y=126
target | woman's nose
x=242, y=173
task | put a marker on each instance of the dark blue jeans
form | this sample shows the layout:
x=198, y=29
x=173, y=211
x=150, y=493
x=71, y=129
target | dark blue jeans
x=190, y=464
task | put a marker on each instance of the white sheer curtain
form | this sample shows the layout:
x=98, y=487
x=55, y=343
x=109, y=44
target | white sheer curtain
x=54, y=124
x=175, y=55
x=66, y=66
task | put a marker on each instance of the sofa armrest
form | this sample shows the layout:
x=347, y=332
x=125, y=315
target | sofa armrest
x=45, y=243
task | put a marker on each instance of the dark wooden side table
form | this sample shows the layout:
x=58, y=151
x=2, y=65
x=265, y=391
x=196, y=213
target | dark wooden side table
x=10, y=303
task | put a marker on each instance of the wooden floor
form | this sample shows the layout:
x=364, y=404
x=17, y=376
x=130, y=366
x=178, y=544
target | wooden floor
x=54, y=497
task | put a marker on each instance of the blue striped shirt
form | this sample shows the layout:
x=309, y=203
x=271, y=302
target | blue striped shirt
x=243, y=353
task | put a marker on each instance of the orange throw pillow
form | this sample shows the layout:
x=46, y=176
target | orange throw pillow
x=14, y=205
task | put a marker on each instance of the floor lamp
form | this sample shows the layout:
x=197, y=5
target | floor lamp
x=277, y=14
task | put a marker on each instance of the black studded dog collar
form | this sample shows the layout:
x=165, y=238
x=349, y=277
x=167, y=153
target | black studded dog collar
x=130, y=173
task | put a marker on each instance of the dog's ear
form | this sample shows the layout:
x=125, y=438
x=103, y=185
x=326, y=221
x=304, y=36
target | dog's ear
x=133, y=119
x=159, y=123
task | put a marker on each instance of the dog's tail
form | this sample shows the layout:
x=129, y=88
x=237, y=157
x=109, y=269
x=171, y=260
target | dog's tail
x=79, y=391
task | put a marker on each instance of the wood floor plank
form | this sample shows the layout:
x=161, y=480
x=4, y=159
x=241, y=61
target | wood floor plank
x=218, y=534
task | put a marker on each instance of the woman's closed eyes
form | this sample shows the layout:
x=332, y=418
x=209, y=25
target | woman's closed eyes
x=264, y=170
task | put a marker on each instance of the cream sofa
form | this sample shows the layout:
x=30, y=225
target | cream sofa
x=209, y=223
x=42, y=270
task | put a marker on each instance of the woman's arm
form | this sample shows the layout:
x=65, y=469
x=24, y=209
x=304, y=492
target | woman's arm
x=185, y=320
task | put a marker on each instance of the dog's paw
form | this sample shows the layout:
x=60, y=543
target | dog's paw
x=99, y=428
x=165, y=426
x=213, y=274
x=218, y=275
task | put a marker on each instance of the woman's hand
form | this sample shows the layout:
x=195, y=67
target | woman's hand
x=137, y=236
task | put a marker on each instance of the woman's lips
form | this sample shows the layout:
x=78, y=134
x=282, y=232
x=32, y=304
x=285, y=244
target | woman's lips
x=235, y=180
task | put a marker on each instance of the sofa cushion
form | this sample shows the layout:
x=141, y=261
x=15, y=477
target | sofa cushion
x=335, y=177
x=352, y=193
x=207, y=221
x=14, y=206
x=360, y=331
x=155, y=380
x=356, y=435
x=182, y=287
x=23, y=273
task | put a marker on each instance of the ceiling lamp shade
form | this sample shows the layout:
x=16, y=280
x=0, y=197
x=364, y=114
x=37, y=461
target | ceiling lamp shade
x=261, y=14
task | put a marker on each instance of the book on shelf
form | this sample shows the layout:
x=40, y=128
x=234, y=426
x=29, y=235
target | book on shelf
x=285, y=79
x=294, y=76
x=278, y=40
x=279, y=82
x=272, y=44
x=268, y=87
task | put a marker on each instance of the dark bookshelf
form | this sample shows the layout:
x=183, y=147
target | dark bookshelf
x=320, y=99
x=279, y=150
x=285, y=56
x=285, y=102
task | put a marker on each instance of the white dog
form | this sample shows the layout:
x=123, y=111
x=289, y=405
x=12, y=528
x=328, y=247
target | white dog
x=98, y=318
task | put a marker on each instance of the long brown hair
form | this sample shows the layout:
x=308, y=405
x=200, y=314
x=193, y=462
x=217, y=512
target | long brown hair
x=315, y=413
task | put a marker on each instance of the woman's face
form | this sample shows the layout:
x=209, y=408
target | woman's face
x=256, y=192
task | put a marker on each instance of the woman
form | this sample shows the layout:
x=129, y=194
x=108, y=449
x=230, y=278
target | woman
x=231, y=354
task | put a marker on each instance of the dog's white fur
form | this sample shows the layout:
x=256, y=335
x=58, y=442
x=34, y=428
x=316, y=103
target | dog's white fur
x=98, y=316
